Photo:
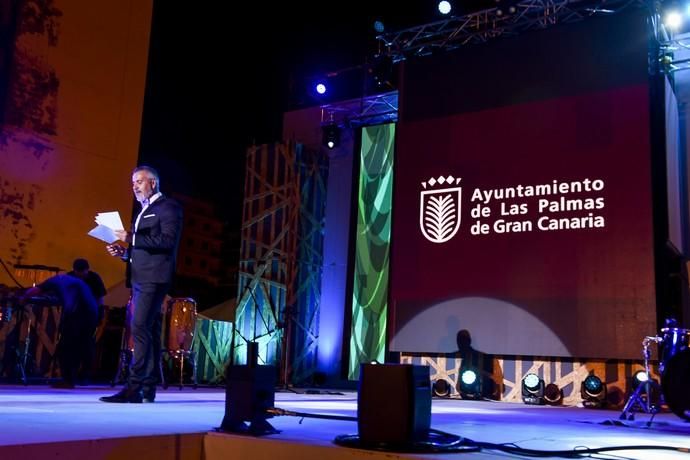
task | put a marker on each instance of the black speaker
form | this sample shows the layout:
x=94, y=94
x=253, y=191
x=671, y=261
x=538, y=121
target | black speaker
x=394, y=404
x=249, y=392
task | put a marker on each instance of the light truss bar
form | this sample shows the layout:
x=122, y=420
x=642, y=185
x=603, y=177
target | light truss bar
x=485, y=25
x=370, y=110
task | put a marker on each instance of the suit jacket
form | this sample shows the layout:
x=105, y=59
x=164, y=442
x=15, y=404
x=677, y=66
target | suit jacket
x=153, y=254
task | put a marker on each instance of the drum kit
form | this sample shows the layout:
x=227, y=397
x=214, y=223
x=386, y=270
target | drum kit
x=674, y=369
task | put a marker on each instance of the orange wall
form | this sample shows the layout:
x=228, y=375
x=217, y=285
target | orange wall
x=70, y=141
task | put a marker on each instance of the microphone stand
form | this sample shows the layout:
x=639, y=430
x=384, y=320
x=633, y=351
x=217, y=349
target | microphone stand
x=642, y=396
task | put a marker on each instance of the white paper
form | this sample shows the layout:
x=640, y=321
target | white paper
x=107, y=222
x=103, y=233
x=110, y=219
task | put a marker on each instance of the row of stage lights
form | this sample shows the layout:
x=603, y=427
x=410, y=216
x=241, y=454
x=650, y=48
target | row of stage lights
x=534, y=390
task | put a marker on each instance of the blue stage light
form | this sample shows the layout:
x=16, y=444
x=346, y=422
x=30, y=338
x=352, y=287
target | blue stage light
x=470, y=384
x=532, y=389
x=444, y=7
x=593, y=392
x=321, y=88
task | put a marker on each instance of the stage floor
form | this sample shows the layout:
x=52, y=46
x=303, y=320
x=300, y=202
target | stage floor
x=40, y=422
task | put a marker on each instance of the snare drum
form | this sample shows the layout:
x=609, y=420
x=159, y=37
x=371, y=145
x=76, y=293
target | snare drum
x=674, y=340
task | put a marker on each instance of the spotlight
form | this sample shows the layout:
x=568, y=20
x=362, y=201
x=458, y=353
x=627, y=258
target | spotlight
x=470, y=384
x=673, y=20
x=505, y=7
x=330, y=135
x=379, y=26
x=593, y=392
x=444, y=7
x=639, y=378
x=441, y=388
x=321, y=88
x=532, y=389
x=553, y=396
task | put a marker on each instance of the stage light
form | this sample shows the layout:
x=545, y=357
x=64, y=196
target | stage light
x=330, y=136
x=639, y=378
x=593, y=392
x=470, y=384
x=553, y=395
x=673, y=20
x=441, y=388
x=505, y=7
x=379, y=26
x=321, y=88
x=444, y=7
x=532, y=389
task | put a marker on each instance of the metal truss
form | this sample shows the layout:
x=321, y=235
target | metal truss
x=369, y=110
x=485, y=25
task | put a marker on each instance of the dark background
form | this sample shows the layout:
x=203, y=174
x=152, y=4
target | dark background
x=220, y=78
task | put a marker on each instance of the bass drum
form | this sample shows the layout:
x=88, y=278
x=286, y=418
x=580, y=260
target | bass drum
x=675, y=383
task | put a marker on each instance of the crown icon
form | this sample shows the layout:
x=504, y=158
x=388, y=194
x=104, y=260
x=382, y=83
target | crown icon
x=450, y=180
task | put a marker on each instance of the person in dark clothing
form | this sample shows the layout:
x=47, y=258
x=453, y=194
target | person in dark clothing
x=150, y=257
x=77, y=322
x=82, y=270
x=485, y=364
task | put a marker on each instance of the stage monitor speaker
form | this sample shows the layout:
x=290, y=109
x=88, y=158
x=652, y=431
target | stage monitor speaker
x=249, y=392
x=394, y=404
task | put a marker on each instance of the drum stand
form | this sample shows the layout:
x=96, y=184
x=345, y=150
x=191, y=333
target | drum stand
x=23, y=355
x=25, y=360
x=125, y=358
x=178, y=356
x=642, y=397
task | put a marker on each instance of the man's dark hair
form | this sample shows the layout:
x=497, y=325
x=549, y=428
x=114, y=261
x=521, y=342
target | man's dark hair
x=80, y=265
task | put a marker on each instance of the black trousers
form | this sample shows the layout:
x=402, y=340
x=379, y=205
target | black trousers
x=146, y=332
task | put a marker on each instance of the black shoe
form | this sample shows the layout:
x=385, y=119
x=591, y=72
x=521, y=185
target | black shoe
x=125, y=395
x=148, y=395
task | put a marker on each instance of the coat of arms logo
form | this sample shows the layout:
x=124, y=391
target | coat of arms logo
x=439, y=209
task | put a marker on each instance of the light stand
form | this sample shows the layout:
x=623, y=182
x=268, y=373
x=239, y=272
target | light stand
x=642, y=397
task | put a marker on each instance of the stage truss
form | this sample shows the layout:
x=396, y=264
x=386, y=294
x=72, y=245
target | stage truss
x=375, y=109
x=485, y=25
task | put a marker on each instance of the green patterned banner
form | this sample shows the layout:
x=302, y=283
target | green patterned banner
x=372, y=248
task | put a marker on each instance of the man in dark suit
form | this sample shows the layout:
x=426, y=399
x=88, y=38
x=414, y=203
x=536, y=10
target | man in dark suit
x=151, y=254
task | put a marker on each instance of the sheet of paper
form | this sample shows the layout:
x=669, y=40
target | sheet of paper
x=103, y=233
x=110, y=219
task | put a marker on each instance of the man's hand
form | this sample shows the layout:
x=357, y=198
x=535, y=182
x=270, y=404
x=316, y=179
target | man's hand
x=116, y=250
x=123, y=235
